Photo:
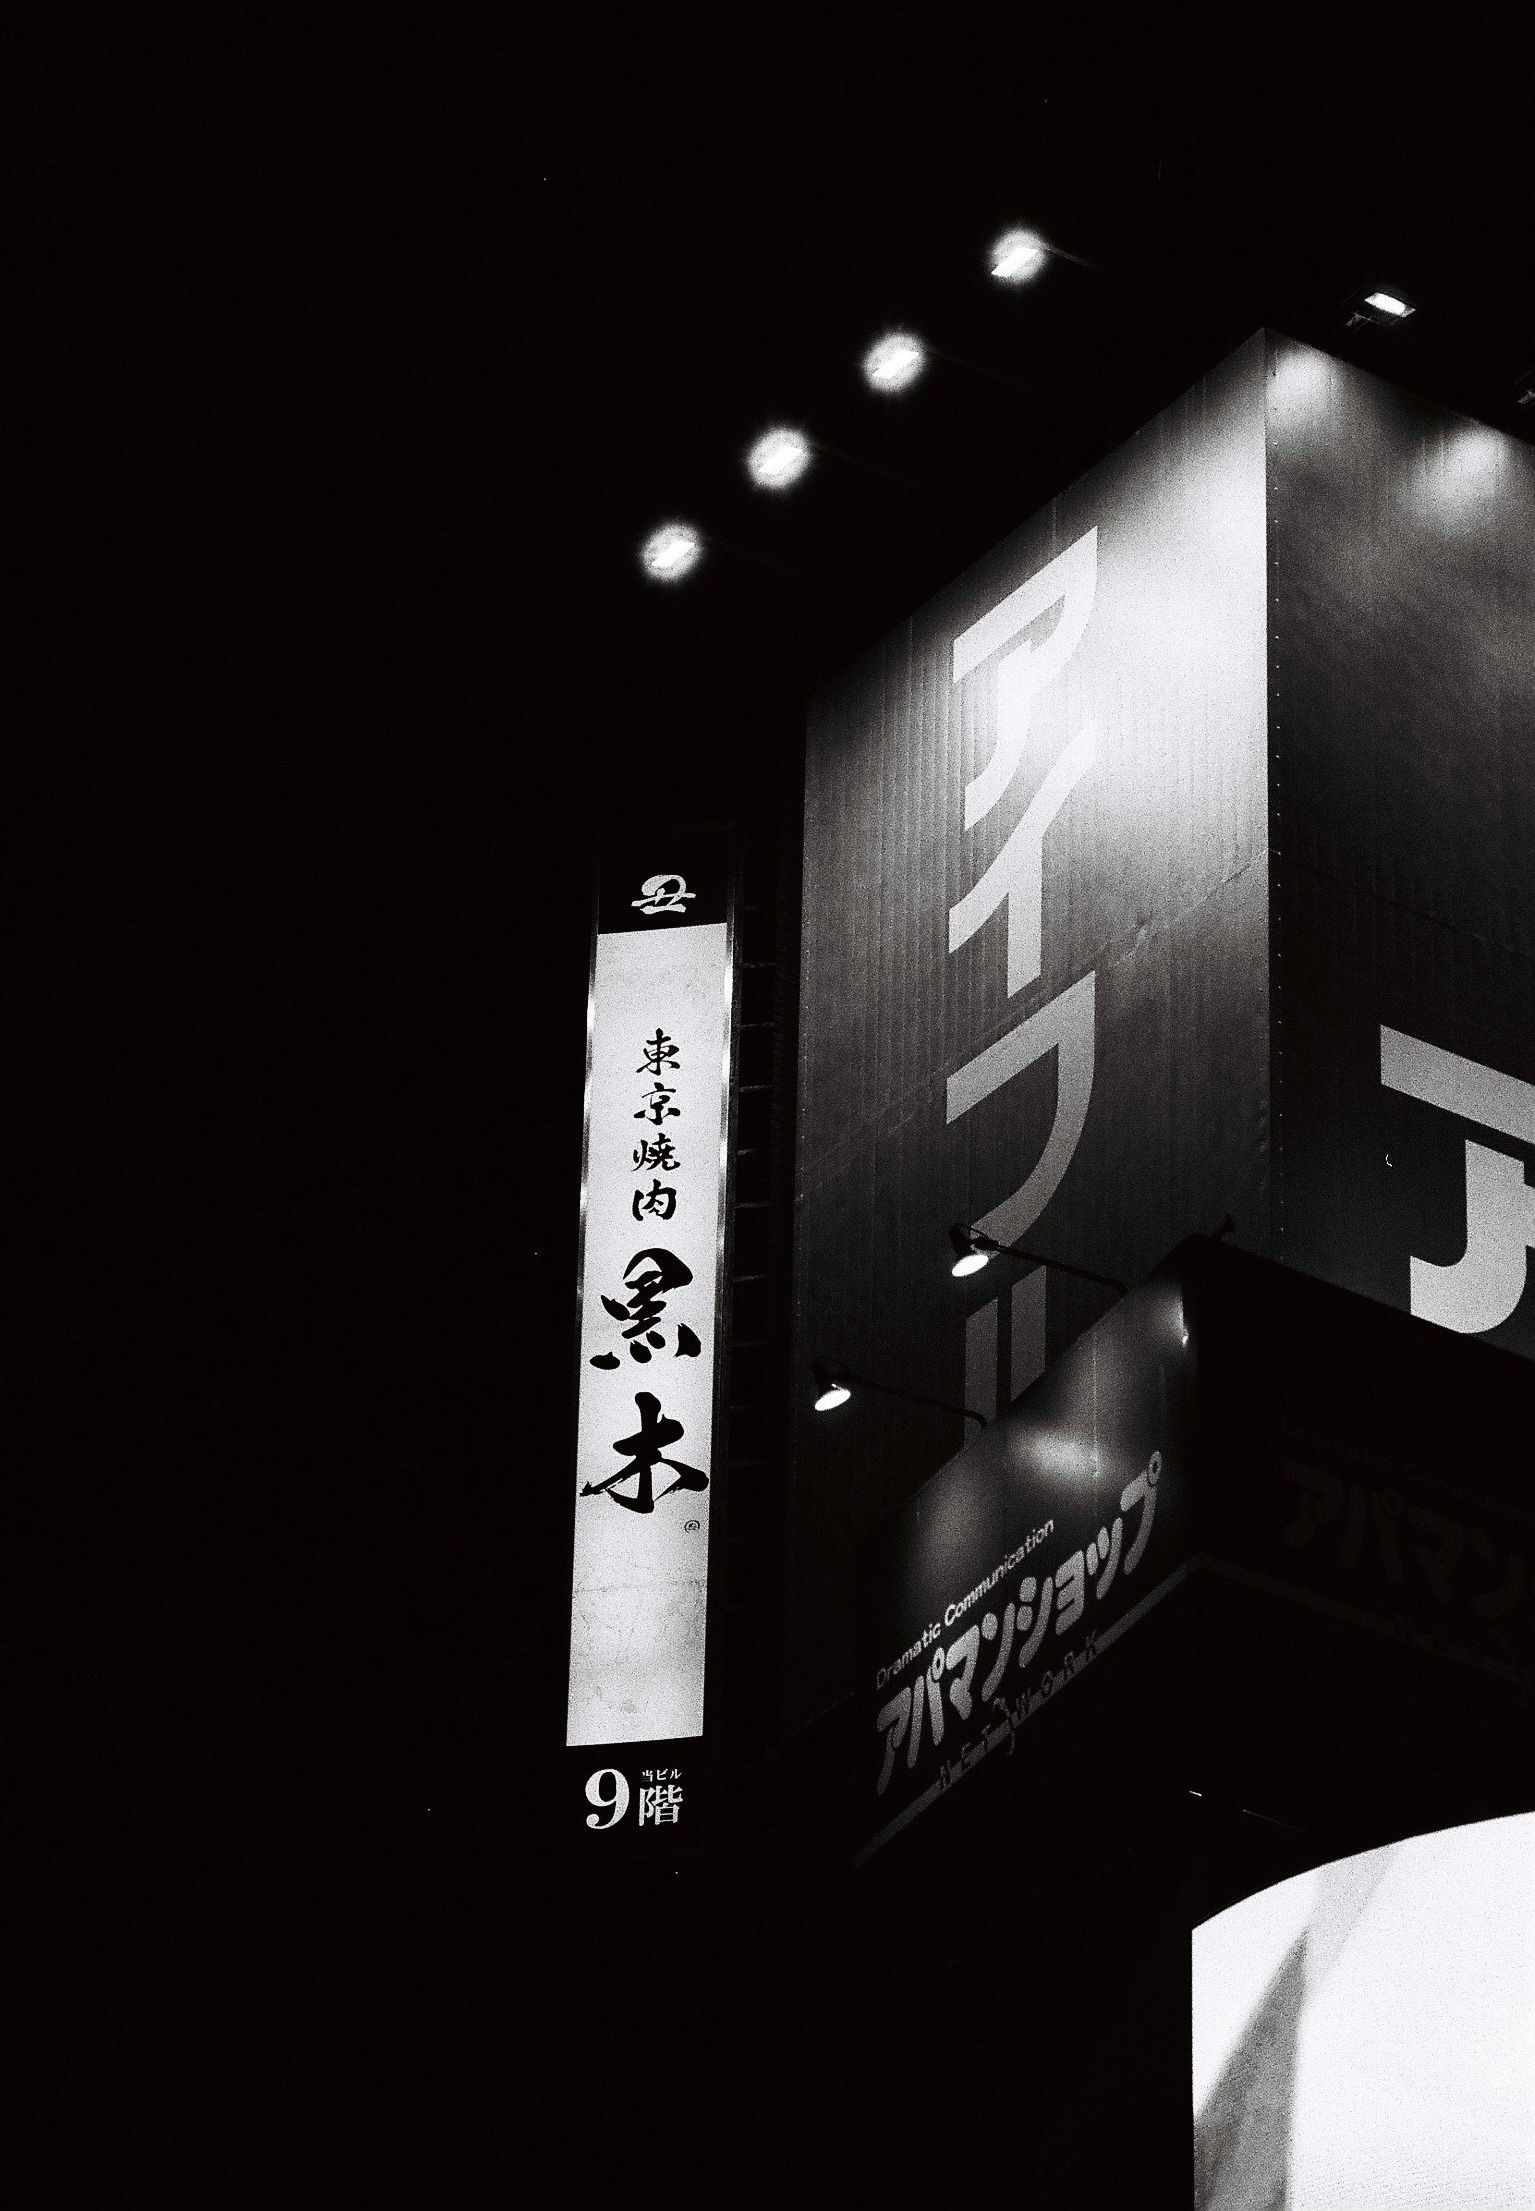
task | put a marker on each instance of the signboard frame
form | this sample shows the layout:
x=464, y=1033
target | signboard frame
x=606, y=1775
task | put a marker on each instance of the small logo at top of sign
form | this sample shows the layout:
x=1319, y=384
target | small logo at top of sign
x=663, y=894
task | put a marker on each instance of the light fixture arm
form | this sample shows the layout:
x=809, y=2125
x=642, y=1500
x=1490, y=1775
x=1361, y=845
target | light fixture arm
x=980, y=1241
x=832, y=1371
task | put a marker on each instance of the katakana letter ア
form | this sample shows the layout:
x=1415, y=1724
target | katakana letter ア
x=1104, y=1546
x=963, y=1653
x=660, y=1199
x=1481, y=1289
x=1142, y=1490
x=1497, y=1604
x=1004, y=1652
x=1032, y=1623
x=1071, y=1588
x=1440, y=1556
x=1320, y=1501
x=892, y=1721
x=660, y=1053
x=661, y=1805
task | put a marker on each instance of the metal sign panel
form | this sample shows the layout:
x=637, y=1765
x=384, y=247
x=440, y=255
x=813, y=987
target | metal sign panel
x=653, y=1217
x=1403, y=733
x=1021, y=1562
x=1178, y=861
x=1034, y=977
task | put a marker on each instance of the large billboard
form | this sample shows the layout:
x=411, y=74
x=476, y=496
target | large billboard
x=1017, y=1566
x=1338, y=1498
x=1402, y=732
x=1178, y=861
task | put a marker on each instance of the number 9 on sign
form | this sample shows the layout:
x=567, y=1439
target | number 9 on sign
x=609, y=1791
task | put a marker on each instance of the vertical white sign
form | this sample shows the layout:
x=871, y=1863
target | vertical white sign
x=653, y=1194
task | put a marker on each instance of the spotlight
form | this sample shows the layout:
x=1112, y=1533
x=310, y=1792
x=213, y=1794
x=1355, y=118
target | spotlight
x=969, y=1254
x=1524, y=389
x=779, y=458
x=832, y=1392
x=1384, y=309
x=668, y=554
x=1017, y=257
x=894, y=361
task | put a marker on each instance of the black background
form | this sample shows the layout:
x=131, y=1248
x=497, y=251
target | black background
x=355, y=362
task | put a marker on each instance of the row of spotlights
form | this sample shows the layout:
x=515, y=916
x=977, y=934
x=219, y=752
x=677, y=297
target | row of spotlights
x=780, y=457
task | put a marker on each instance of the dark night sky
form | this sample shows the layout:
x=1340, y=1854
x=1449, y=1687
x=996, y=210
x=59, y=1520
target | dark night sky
x=358, y=364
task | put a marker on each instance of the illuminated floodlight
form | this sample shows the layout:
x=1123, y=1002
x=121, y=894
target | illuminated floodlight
x=894, y=361
x=1017, y=256
x=671, y=552
x=970, y=1253
x=1384, y=309
x=833, y=1392
x=778, y=459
